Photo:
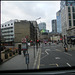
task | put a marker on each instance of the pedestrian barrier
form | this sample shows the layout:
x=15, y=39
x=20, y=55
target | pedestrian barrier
x=7, y=54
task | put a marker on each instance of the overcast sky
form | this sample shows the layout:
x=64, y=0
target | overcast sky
x=30, y=10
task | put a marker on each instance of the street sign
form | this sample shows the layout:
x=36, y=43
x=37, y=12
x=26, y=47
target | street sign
x=23, y=39
x=27, y=58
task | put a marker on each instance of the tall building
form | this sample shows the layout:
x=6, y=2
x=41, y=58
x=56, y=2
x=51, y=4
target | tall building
x=68, y=20
x=42, y=26
x=15, y=30
x=64, y=3
x=54, y=26
x=58, y=16
x=37, y=29
x=67, y=15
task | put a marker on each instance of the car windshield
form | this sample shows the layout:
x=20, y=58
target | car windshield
x=37, y=34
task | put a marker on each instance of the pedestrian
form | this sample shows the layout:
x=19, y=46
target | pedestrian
x=65, y=47
x=24, y=52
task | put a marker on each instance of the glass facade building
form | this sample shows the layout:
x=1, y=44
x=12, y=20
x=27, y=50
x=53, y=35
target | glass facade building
x=42, y=26
x=54, y=26
x=58, y=16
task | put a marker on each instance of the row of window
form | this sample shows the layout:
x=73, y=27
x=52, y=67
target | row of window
x=69, y=15
x=73, y=9
x=7, y=28
x=70, y=23
x=7, y=25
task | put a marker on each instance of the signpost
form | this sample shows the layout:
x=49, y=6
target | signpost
x=27, y=60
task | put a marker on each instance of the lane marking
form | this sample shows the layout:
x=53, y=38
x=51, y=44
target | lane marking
x=42, y=53
x=39, y=60
x=42, y=64
x=35, y=59
x=57, y=65
x=54, y=65
x=68, y=64
x=68, y=53
x=46, y=52
x=44, y=56
x=58, y=50
x=57, y=57
x=47, y=49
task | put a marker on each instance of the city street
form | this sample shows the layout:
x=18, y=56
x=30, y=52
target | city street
x=54, y=56
x=46, y=56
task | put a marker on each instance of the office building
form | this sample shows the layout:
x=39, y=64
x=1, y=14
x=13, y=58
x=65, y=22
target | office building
x=54, y=26
x=68, y=21
x=42, y=26
x=58, y=16
x=15, y=30
x=66, y=3
x=67, y=15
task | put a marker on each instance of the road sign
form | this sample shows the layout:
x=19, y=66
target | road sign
x=23, y=39
x=27, y=58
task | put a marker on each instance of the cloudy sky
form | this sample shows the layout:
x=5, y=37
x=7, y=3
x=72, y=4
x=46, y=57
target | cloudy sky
x=30, y=10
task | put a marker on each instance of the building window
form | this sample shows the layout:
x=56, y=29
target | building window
x=73, y=22
x=11, y=23
x=69, y=14
x=8, y=24
x=73, y=15
x=69, y=23
x=68, y=9
x=2, y=26
x=73, y=9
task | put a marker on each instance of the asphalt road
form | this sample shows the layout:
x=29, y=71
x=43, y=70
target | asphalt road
x=53, y=55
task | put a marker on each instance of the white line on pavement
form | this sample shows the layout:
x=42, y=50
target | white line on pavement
x=68, y=64
x=35, y=60
x=44, y=56
x=58, y=50
x=68, y=53
x=39, y=60
x=46, y=52
x=57, y=57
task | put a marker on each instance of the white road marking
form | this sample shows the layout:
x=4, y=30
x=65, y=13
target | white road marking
x=57, y=57
x=54, y=65
x=35, y=59
x=44, y=56
x=68, y=53
x=42, y=64
x=57, y=65
x=68, y=64
x=39, y=60
x=47, y=49
x=46, y=52
x=42, y=53
x=58, y=50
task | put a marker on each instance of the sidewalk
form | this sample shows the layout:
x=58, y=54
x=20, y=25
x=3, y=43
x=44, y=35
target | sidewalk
x=19, y=62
